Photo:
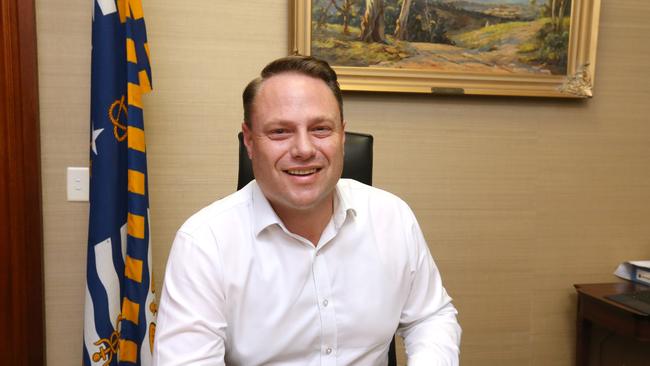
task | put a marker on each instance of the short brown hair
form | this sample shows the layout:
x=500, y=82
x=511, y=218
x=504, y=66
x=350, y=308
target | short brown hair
x=306, y=65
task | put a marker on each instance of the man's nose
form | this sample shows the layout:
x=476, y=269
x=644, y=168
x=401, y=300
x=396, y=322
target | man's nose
x=303, y=146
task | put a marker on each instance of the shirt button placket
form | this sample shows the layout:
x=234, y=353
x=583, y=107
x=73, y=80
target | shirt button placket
x=327, y=315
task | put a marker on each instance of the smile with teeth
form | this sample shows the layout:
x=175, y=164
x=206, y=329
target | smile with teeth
x=302, y=171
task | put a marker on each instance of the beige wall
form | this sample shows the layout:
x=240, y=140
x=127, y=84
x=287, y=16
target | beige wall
x=519, y=198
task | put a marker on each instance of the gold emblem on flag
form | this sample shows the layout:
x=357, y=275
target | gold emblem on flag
x=153, y=307
x=152, y=334
x=108, y=347
x=115, y=118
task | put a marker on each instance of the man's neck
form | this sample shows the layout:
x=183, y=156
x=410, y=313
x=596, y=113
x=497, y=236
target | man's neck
x=309, y=223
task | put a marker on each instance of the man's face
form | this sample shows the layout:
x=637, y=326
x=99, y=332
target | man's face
x=296, y=143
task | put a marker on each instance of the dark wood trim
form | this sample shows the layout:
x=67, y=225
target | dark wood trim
x=22, y=339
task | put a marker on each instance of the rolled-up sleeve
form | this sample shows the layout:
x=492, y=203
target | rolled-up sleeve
x=191, y=326
x=428, y=321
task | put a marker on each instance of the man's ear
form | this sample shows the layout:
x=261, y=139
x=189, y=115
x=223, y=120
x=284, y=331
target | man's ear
x=343, y=138
x=248, y=139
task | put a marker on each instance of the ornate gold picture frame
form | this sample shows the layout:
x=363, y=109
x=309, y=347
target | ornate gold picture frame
x=544, y=48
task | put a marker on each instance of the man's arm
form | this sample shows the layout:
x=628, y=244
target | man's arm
x=428, y=322
x=191, y=325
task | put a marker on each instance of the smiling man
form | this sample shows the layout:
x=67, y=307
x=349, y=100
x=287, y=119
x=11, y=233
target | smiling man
x=296, y=146
x=301, y=267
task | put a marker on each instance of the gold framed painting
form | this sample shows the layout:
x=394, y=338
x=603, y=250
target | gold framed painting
x=543, y=48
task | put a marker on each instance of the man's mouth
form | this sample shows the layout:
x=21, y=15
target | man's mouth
x=301, y=172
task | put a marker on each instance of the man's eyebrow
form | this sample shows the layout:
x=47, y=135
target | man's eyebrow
x=277, y=121
x=311, y=121
x=323, y=118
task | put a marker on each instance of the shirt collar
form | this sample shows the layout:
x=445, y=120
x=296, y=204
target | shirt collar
x=264, y=215
x=343, y=204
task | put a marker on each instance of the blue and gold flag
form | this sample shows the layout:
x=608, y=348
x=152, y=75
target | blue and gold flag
x=120, y=308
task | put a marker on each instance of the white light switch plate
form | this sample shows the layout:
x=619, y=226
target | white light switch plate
x=78, y=184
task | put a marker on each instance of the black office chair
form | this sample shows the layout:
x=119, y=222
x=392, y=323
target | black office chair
x=357, y=165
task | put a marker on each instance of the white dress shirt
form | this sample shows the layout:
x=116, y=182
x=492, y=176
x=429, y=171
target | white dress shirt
x=240, y=289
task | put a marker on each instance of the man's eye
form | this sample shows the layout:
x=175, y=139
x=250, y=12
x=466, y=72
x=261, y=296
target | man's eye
x=278, y=133
x=321, y=130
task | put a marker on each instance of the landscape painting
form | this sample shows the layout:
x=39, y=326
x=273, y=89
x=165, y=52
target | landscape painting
x=494, y=38
x=502, y=36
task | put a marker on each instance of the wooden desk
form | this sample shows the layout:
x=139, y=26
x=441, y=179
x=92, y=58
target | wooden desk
x=594, y=308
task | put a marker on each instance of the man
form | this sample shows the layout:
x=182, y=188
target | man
x=301, y=267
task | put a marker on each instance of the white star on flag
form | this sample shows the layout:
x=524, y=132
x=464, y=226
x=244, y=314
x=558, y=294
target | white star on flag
x=107, y=7
x=95, y=135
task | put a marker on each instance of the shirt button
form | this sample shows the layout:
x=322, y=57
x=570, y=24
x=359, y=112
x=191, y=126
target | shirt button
x=325, y=302
x=328, y=350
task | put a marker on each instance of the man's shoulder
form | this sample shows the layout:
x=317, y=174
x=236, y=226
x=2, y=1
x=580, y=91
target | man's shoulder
x=360, y=192
x=374, y=203
x=220, y=212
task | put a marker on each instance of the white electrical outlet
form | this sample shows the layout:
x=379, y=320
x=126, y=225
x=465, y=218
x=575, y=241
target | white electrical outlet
x=78, y=184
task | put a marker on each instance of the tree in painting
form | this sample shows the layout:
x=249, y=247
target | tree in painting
x=372, y=23
x=553, y=37
x=557, y=9
x=346, y=11
x=401, y=29
x=494, y=36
